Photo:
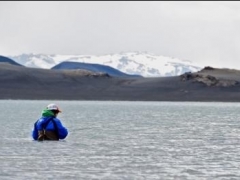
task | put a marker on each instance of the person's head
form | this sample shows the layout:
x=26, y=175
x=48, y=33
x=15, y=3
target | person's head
x=54, y=108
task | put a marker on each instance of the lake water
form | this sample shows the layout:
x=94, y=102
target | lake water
x=113, y=140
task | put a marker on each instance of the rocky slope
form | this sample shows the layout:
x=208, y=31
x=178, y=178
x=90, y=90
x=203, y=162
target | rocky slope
x=214, y=77
x=17, y=82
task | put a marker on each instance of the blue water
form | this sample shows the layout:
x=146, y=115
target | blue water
x=115, y=140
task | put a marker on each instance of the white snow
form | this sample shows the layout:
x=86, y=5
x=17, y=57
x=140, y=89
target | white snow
x=145, y=64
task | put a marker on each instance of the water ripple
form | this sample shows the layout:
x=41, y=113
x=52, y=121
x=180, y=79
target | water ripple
x=124, y=140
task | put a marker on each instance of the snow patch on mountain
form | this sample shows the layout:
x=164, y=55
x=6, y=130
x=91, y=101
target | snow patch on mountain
x=139, y=63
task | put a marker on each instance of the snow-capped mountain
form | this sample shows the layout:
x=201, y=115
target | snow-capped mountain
x=137, y=63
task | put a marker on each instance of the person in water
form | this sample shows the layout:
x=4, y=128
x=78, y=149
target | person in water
x=49, y=127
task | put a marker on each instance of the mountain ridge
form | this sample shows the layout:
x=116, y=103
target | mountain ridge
x=92, y=67
x=133, y=63
x=4, y=59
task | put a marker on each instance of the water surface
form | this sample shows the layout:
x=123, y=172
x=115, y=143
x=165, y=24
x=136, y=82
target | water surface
x=123, y=140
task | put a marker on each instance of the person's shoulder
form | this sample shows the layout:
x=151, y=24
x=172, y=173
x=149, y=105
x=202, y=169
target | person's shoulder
x=40, y=119
x=56, y=119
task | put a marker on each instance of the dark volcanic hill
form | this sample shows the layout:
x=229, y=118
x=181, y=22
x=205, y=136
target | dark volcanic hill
x=4, y=59
x=93, y=68
x=208, y=84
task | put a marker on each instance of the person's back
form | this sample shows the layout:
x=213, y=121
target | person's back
x=49, y=127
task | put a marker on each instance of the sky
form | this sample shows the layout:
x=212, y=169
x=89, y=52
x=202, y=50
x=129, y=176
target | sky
x=205, y=32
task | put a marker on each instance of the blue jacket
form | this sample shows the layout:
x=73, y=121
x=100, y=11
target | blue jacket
x=46, y=123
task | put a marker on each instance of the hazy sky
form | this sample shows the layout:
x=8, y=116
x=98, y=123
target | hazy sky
x=204, y=32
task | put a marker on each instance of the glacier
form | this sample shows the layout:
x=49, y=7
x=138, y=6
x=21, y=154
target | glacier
x=134, y=63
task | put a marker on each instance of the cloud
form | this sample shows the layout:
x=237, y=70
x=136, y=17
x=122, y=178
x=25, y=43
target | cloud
x=203, y=32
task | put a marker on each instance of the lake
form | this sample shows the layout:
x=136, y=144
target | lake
x=113, y=140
